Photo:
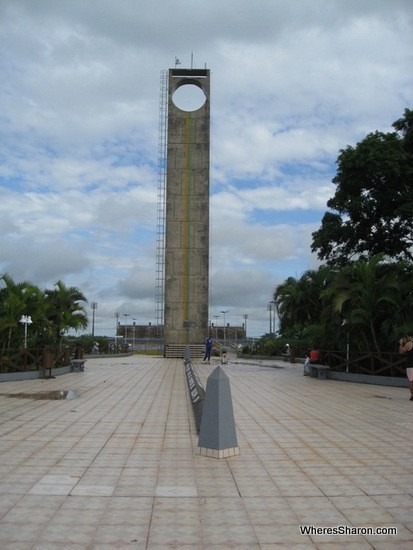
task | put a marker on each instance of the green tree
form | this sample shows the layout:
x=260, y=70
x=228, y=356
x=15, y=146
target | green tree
x=366, y=294
x=11, y=308
x=301, y=308
x=373, y=299
x=64, y=310
x=17, y=299
x=287, y=299
x=53, y=312
x=372, y=209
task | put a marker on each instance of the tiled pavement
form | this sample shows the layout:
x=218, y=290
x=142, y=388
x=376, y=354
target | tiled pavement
x=116, y=467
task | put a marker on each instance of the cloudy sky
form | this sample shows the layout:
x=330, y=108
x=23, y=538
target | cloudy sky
x=293, y=82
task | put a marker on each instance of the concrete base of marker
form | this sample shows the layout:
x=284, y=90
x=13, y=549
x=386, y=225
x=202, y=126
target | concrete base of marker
x=215, y=453
x=217, y=435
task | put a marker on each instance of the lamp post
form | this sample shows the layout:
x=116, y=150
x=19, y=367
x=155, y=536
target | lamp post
x=116, y=328
x=216, y=327
x=348, y=350
x=269, y=308
x=345, y=324
x=126, y=315
x=245, y=324
x=225, y=327
x=274, y=310
x=25, y=320
x=133, y=333
x=94, y=307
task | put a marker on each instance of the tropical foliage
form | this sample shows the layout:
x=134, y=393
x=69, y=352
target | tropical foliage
x=365, y=288
x=372, y=209
x=370, y=299
x=53, y=312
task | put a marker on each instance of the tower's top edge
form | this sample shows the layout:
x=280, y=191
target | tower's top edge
x=189, y=73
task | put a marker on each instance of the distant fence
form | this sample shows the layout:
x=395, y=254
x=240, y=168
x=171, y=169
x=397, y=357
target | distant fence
x=34, y=359
x=44, y=359
x=371, y=363
x=377, y=364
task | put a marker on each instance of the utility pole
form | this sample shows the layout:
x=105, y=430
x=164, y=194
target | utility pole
x=94, y=307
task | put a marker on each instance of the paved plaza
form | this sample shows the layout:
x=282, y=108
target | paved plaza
x=114, y=464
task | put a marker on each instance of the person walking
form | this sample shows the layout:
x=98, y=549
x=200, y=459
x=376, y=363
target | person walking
x=406, y=346
x=208, y=349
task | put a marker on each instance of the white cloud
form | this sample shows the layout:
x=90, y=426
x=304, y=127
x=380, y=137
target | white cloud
x=292, y=83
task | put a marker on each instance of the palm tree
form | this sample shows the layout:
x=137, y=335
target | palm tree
x=64, y=310
x=399, y=321
x=300, y=304
x=365, y=294
x=322, y=321
x=288, y=302
x=13, y=301
x=313, y=283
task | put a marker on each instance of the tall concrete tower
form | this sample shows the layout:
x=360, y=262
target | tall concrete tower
x=187, y=216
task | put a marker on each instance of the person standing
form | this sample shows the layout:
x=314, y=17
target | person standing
x=208, y=349
x=406, y=346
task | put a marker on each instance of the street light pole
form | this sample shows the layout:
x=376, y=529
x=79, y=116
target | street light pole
x=225, y=327
x=348, y=350
x=216, y=326
x=269, y=308
x=346, y=325
x=274, y=309
x=94, y=307
x=245, y=325
x=126, y=315
x=25, y=320
x=116, y=328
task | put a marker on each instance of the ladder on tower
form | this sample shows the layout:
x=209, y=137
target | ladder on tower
x=161, y=204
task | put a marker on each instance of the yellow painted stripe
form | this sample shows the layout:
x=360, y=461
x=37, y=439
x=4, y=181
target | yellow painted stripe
x=187, y=221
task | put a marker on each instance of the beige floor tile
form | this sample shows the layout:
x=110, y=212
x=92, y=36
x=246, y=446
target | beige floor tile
x=18, y=533
x=117, y=467
x=285, y=535
x=39, y=515
x=119, y=535
x=369, y=516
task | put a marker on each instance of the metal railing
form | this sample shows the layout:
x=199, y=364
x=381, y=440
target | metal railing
x=34, y=359
x=377, y=364
x=371, y=363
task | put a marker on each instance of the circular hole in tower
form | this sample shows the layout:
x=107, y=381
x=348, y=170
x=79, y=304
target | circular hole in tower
x=188, y=97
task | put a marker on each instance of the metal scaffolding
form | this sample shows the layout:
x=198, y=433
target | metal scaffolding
x=160, y=227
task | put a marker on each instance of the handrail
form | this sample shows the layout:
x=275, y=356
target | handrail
x=372, y=363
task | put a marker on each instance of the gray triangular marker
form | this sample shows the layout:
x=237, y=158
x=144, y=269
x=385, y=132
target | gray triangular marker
x=217, y=436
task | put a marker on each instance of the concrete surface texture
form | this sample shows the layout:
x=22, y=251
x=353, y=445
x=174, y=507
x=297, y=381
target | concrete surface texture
x=187, y=213
x=115, y=465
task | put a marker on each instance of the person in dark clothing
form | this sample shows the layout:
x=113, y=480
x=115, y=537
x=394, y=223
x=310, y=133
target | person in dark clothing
x=406, y=346
x=208, y=349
